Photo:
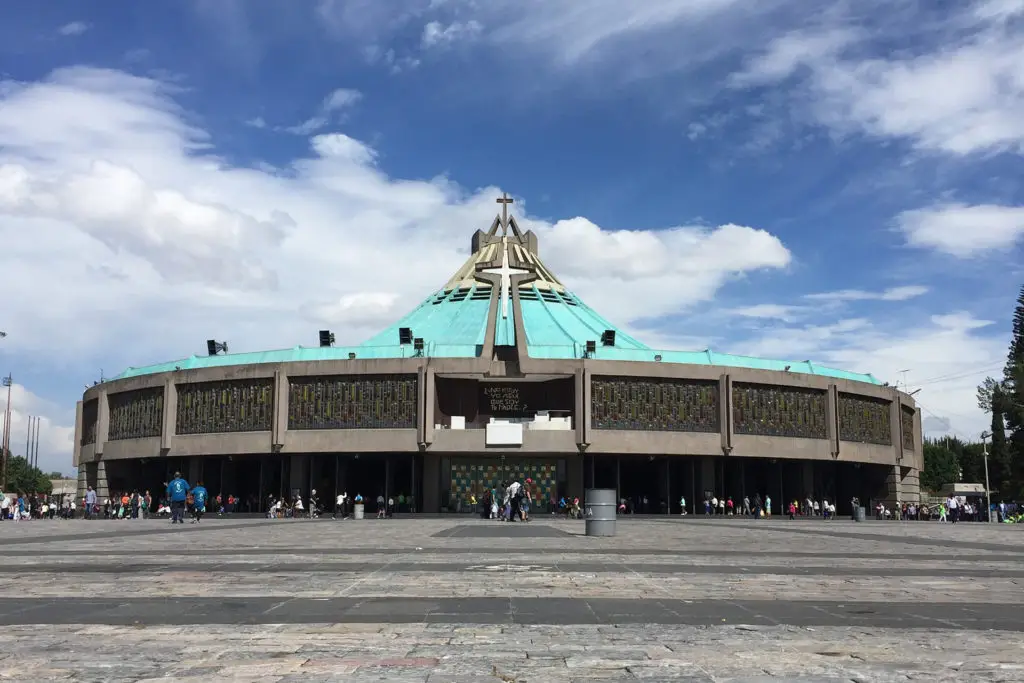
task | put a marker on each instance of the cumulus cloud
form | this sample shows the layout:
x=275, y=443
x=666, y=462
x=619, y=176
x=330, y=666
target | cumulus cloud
x=963, y=230
x=436, y=34
x=957, y=86
x=902, y=293
x=74, y=28
x=140, y=242
x=333, y=109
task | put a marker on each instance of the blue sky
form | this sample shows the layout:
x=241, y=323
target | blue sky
x=841, y=185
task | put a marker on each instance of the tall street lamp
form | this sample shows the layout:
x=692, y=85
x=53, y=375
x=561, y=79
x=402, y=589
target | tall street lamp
x=988, y=494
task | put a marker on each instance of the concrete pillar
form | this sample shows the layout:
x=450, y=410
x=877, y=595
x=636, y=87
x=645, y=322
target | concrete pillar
x=832, y=420
x=574, y=478
x=808, y=480
x=427, y=394
x=707, y=477
x=725, y=425
x=431, y=486
x=891, y=494
x=299, y=476
x=170, y=416
x=99, y=483
x=83, y=483
x=77, y=451
x=279, y=423
x=195, y=469
x=102, y=422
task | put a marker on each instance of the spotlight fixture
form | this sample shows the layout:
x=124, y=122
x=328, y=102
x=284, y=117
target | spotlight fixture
x=591, y=347
x=351, y=355
x=657, y=357
x=417, y=344
x=608, y=338
x=786, y=369
x=405, y=335
x=326, y=338
x=214, y=347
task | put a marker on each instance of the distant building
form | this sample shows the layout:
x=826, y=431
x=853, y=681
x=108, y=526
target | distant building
x=502, y=373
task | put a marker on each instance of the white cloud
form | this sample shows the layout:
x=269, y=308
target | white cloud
x=333, y=109
x=962, y=93
x=962, y=230
x=770, y=312
x=902, y=293
x=947, y=357
x=129, y=227
x=74, y=28
x=56, y=428
x=436, y=34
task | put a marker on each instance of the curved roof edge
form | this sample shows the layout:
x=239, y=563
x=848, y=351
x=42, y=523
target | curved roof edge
x=299, y=354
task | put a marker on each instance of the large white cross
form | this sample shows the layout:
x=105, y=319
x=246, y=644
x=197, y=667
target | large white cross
x=506, y=274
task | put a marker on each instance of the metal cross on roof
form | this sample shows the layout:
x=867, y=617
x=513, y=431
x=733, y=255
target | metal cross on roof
x=506, y=274
x=504, y=200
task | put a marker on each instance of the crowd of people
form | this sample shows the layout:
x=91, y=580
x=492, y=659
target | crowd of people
x=20, y=507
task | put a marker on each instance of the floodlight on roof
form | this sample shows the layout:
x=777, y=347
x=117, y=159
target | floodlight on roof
x=326, y=338
x=608, y=338
x=405, y=335
x=417, y=345
x=591, y=348
x=214, y=347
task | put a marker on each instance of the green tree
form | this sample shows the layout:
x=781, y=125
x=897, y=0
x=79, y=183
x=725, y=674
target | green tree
x=1013, y=402
x=985, y=391
x=22, y=478
x=940, y=467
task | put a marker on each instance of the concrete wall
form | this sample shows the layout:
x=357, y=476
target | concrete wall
x=428, y=440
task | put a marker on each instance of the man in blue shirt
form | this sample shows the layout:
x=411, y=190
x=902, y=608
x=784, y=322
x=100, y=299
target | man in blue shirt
x=177, y=492
x=199, y=496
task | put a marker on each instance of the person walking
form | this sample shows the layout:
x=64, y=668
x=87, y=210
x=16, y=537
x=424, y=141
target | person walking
x=199, y=498
x=177, y=492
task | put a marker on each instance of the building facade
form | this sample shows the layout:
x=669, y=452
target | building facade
x=503, y=373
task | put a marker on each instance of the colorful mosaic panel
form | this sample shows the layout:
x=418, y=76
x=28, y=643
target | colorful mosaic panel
x=655, y=405
x=864, y=420
x=767, y=410
x=90, y=420
x=136, y=414
x=474, y=478
x=242, y=405
x=907, y=417
x=354, y=402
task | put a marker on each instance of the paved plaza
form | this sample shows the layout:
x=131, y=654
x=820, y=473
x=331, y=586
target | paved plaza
x=462, y=599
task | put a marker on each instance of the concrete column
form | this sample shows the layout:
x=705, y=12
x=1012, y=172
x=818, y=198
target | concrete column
x=896, y=426
x=431, y=478
x=890, y=495
x=77, y=451
x=102, y=422
x=725, y=425
x=580, y=406
x=170, y=416
x=707, y=476
x=83, y=484
x=574, y=472
x=808, y=480
x=100, y=484
x=279, y=424
x=832, y=419
x=298, y=477
x=910, y=486
x=195, y=469
x=428, y=393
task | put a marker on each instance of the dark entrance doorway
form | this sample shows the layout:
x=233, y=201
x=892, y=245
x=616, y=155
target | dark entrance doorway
x=642, y=484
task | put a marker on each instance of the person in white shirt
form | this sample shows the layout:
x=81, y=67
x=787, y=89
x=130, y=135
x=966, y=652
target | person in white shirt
x=339, y=505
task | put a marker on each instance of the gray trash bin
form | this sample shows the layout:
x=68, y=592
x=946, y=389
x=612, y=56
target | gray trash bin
x=600, y=512
x=860, y=514
x=358, y=511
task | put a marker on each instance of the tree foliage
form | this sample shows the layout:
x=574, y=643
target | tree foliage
x=941, y=466
x=1011, y=399
x=985, y=391
x=22, y=478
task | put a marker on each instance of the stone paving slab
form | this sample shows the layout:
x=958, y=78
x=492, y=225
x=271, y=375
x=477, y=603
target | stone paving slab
x=285, y=600
x=482, y=653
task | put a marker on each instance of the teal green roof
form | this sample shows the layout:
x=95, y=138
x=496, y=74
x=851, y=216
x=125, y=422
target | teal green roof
x=452, y=324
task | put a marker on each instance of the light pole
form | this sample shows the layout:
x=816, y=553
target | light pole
x=988, y=494
x=5, y=444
